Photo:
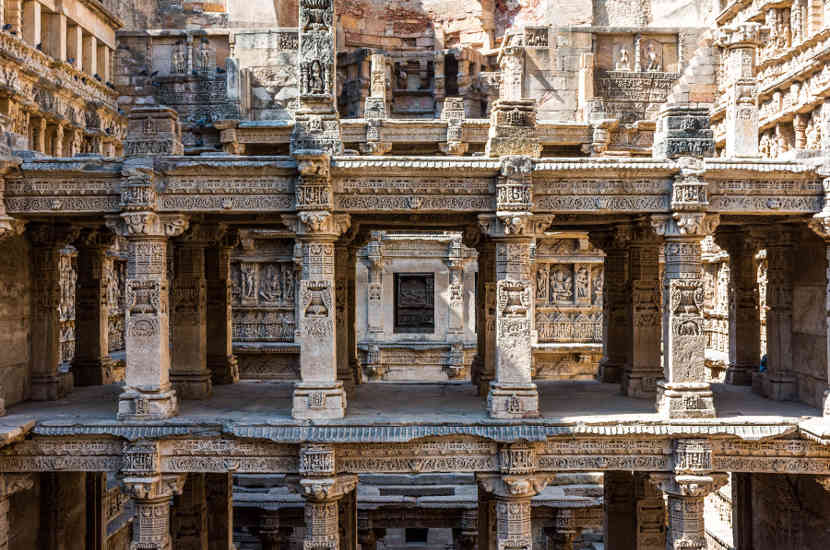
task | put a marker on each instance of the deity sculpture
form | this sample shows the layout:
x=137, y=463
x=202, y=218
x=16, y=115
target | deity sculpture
x=651, y=55
x=623, y=61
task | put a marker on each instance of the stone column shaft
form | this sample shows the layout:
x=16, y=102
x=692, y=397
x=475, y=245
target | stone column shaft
x=619, y=508
x=47, y=240
x=644, y=368
x=221, y=362
x=686, y=494
x=374, y=268
x=820, y=225
x=219, y=489
x=744, y=310
x=269, y=529
x=10, y=484
x=92, y=364
x=511, y=491
x=189, y=373
x=189, y=521
x=344, y=265
x=740, y=43
x=778, y=381
x=650, y=510
x=485, y=368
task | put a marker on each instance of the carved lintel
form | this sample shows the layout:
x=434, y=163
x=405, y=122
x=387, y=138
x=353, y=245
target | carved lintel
x=317, y=460
x=518, y=458
x=692, y=456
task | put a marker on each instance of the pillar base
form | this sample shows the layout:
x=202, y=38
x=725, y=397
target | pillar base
x=739, y=375
x=50, y=388
x=641, y=384
x=223, y=370
x=685, y=400
x=137, y=405
x=94, y=372
x=192, y=386
x=318, y=401
x=609, y=372
x=512, y=401
x=778, y=387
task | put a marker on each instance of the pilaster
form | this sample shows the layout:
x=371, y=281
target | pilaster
x=189, y=374
x=9, y=485
x=513, y=230
x=686, y=489
x=92, y=364
x=221, y=362
x=375, y=109
x=147, y=393
x=650, y=511
x=616, y=342
x=344, y=268
x=322, y=488
x=219, y=497
x=777, y=381
x=47, y=240
x=318, y=394
x=189, y=519
x=740, y=43
x=744, y=308
x=374, y=269
x=643, y=369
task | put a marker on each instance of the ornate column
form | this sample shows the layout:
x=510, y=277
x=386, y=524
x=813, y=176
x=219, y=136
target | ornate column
x=322, y=488
x=455, y=330
x=375, y=108
x=686, y=489
x=64, y=511
x=618, y=506
x=92, y=365
x=221, y=362
x=684, y=393
x=454, y=113
x=317, y=127
x=616, y=341
x=778, y=381
x=820, y=225
x=152, y=493
x=47, y=240
x=744, y=309
x=483, y=367
x=344, y=265
x=269, y=529
x=189, y=374
x=465, y=537
x=740, y=43
x=565, y=529
x=650, y=511
x=147, y=393
x=513, y=229
x=643, y=369
x=219, y=498
x=318, y=394
x=512, y=490
x=189, y=521
x=374, y=269
x=9, y=485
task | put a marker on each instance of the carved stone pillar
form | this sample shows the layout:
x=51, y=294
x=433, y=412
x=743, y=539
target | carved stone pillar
x=643, y=369
x=374, y=268
x=513, y=230
x=375, y=108
x=63, y=511
x=318, y=394
x=684, y=393
x=820, y=225
x=221, y=362
x=618, y=506
x=740, y=43
x=9, y=485
x=269, y=529
x=317, y=127
x=152, y=497
x=453, y=112
x=189, y=521
x=344, y=265
x=778, y=381
x=744, y=310
x=219, y=499
x=347, y=515
x=465, y=537
x=484, y=363
x=189, y=373
x=97, y=514
x=650, y=510
x=92, y=364
x=615, y=302
x=147, y=393
x=322, y=489
x=47, y=240
x=512, y=494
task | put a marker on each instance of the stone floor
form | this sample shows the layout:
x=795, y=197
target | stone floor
x=266, y=402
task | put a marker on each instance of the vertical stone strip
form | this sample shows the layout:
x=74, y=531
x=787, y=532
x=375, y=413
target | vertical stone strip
x=343, y=264
x=741, y=43
x=269, y=530
x=820, y=225
x=778, y=381
x=190, y=375
x=219, y=489
x=96, y=510
x=620, y=518
x=189, y=519
x=650, y=513
x=643, y=368
x=374, y=268
x=147, y=393
x=9, y=485
x=221, y=362
x=744, y=308
x=47, y=241
x=565, y=529
x=513, y=229
x=317, y=127
x=92, y=364
x=484, y=364
x=615, y=302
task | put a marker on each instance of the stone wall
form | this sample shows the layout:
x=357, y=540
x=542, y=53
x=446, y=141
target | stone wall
x=15, y=296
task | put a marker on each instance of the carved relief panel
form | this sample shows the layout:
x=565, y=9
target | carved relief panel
x=68, y=273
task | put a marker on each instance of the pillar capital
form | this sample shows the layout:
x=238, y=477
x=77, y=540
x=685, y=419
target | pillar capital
x=326, y=489
x=689, y=225
x=11, y=483
x=685, y=485
x=156, y=486
x=510, y=486
x=507, y=224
